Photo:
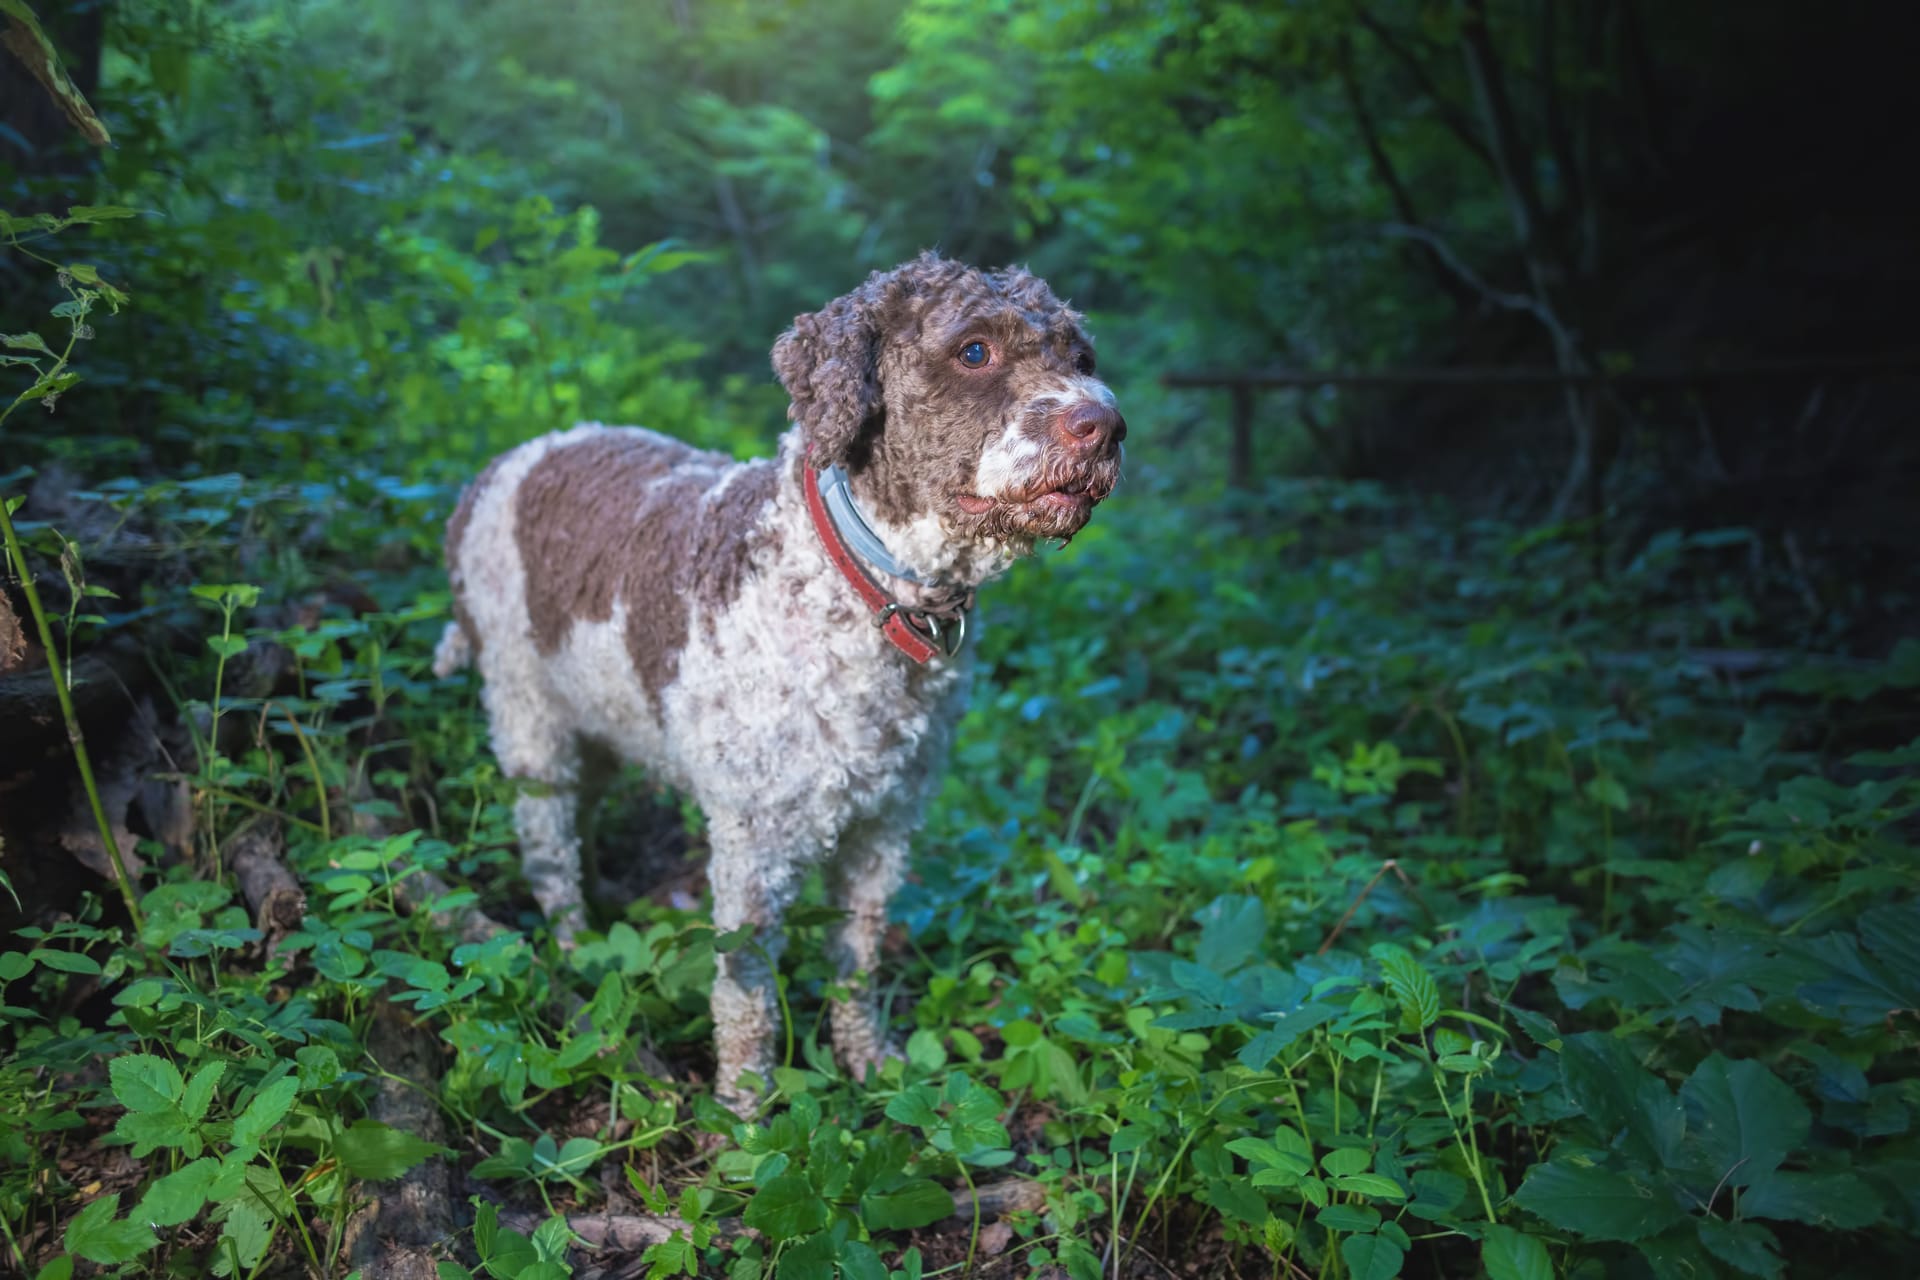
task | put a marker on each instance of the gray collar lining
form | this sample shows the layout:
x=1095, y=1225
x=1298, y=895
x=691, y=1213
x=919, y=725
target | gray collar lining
x=853, y=526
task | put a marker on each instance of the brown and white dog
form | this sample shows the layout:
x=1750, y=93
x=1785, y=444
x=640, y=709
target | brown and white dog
x=785, y=651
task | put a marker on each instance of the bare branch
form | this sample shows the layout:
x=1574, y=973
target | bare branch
x=1454, y=263
x=1449, y=114
x=1389, y=177
x=1510, y=154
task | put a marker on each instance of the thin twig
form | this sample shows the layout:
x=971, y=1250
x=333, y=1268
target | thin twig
x=1454, y=263
x=1393, y=865
x=75, y=737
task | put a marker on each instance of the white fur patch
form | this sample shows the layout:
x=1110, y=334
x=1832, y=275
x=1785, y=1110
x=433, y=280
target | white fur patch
x=1007, y=462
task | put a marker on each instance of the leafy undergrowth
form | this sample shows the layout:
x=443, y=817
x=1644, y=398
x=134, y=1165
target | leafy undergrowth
x=1321, y=887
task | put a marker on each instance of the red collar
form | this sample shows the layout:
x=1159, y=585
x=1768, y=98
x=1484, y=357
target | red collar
x=920, y=634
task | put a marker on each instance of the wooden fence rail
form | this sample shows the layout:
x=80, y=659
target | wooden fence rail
x=1242, y=384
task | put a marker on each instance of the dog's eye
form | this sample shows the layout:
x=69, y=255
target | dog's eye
x=1083, y=363
x=975, y=355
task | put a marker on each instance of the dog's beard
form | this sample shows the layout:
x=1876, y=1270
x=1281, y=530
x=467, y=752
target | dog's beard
x=1054, y=503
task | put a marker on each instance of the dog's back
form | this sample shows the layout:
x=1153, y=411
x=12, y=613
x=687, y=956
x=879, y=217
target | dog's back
x=580, y=557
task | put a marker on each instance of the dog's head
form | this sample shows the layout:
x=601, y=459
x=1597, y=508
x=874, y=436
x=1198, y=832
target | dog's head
x=963, y=404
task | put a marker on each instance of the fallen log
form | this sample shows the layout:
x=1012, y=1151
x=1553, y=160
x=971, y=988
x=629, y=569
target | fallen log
x=406, y=1226
x=274, y=898
x=105, y=682
x=1001, y=1199
x=13, y=637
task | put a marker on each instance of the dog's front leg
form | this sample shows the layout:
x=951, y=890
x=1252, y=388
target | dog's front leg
x=860, y=881
x=753, y=884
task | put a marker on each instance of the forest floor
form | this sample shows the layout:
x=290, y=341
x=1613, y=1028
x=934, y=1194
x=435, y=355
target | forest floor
x=1324, y=885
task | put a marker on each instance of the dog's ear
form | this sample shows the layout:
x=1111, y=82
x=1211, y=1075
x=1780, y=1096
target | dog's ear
x=829, y=362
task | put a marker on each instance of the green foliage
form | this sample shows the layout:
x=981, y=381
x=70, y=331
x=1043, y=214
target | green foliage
x=1362, y=891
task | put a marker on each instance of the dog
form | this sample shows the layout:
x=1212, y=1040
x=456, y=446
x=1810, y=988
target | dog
x=784, y=639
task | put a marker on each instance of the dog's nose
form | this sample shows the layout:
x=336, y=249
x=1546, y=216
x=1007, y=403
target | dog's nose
x=1090, y=426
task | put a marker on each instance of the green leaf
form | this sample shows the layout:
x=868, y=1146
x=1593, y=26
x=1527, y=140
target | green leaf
x=787, y=1207
x=1743, y=1119
x=1202, y=982
x=1436, y=1194
x=1370, y=1184
x=1512, y=1255
x=925, y=1051
x=1347, y=1217
x=265, y=1111
x=178, y=1196
x=858, y=1261
x=1892, y=933
x=1232, y=929
x=1628, y=1103
x=917, y=1106
x=25, y=342
x=1834, y=1200
x=1285, y=1029
x=250, y=1228
x=226, y=646
x=1268, y=1154
x=552, y=1238
x=377, y=1152
x=1608, y=791
x=917, y=1202
x=1746, y=1245
x=486, y=1228
x=809, y=1259
x=1346, y=1160
x=199, y=1092
x=147, y=1130
x=232, y=1177
x=512, y=1254
x=1412, y=986
x=1597, y=1203
x=66, y=961
x=1371, y=1257
x=96, y=1235
x=142, y=1082
x=61, y=1268
x=1678, y=1255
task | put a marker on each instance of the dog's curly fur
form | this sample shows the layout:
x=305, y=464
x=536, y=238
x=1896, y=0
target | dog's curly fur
x=621, y=590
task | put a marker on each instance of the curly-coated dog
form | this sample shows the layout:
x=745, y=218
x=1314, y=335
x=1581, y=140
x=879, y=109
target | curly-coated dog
x=781, y=639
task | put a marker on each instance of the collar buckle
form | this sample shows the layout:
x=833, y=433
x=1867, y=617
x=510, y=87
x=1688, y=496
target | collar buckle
x=948, y=635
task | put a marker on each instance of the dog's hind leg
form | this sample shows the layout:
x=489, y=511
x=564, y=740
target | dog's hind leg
x=537, y=748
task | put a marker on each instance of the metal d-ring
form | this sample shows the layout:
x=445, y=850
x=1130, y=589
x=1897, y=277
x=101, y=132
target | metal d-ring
x=947, y=639
x=951, y=636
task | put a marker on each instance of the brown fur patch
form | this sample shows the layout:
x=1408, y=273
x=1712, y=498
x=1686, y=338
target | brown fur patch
x=456, y=534
x=644, y=521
